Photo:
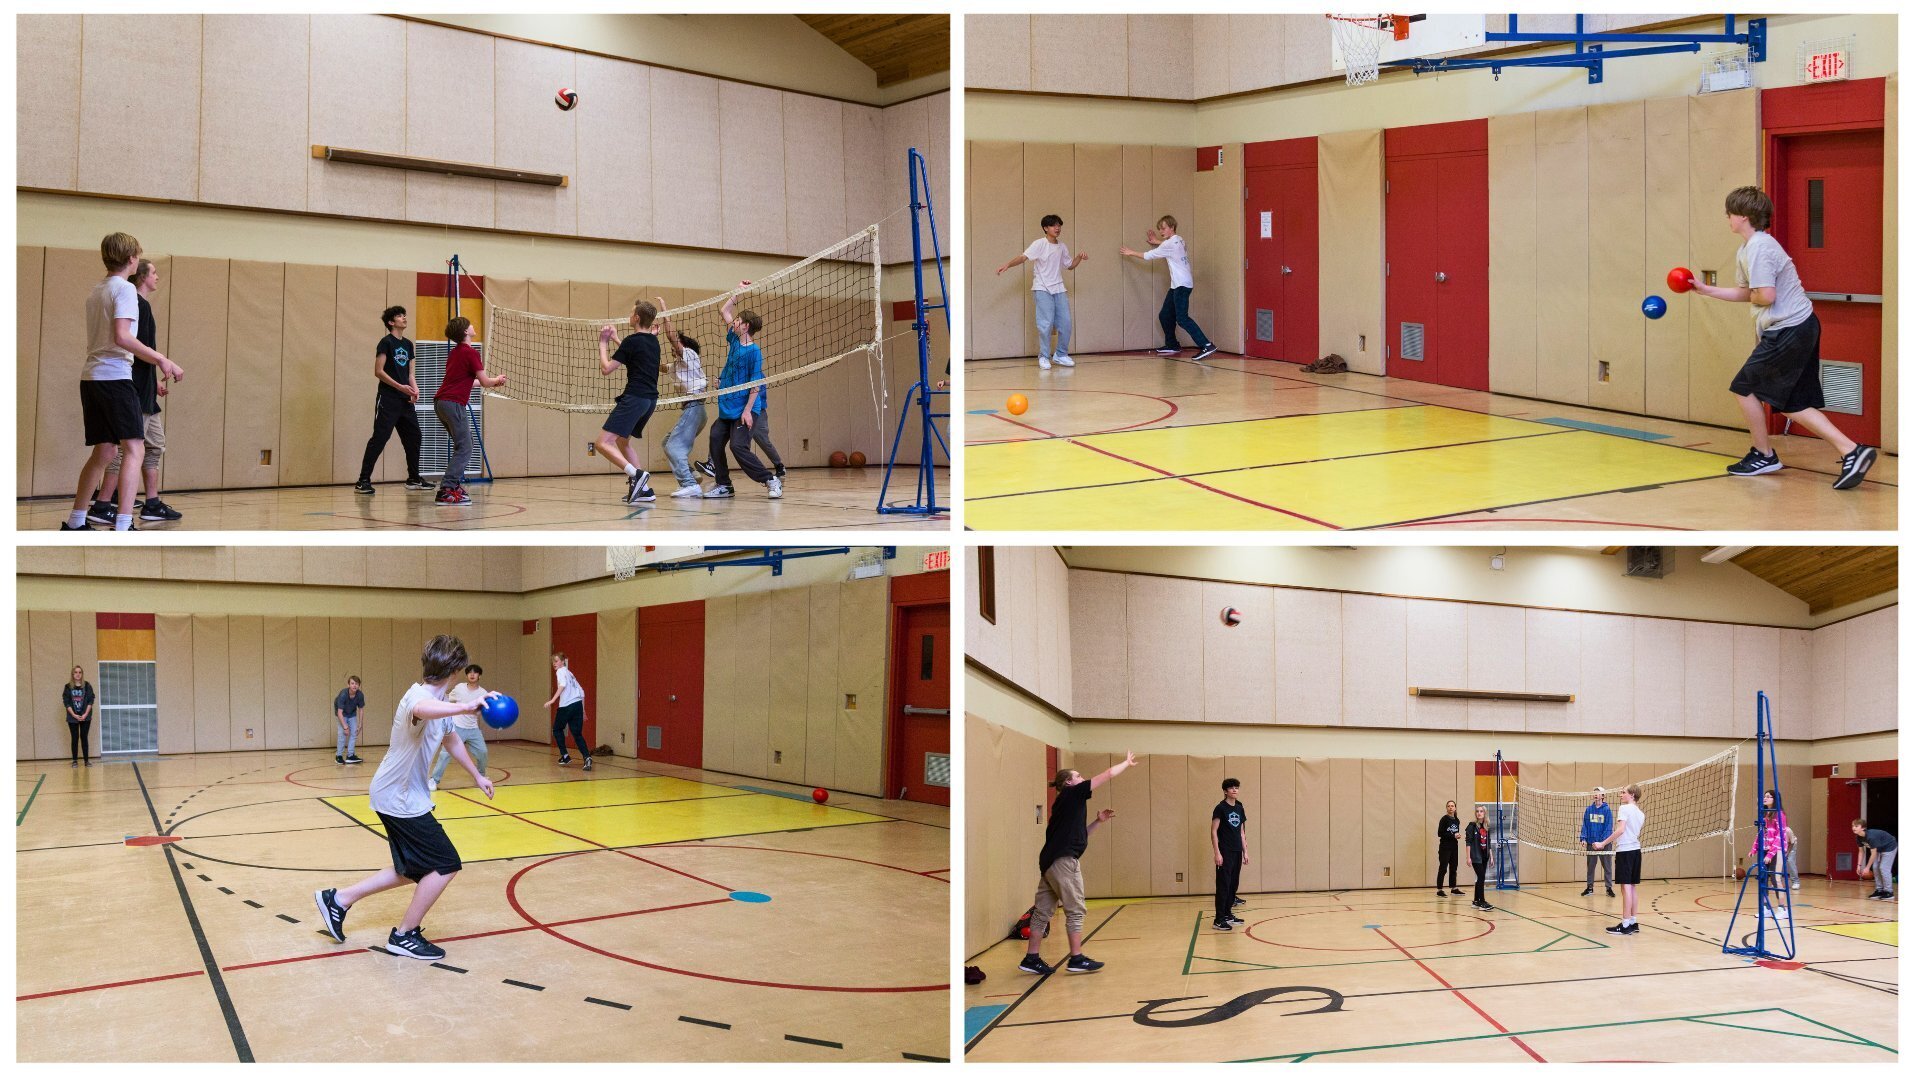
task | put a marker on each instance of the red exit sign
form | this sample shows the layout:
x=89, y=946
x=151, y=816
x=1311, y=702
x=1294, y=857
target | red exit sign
x=1826, y=66
x=937, y=560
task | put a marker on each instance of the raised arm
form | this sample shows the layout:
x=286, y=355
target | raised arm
x=1011, y=263
x=608, y=365
x=1118, y=768
x=666, y=322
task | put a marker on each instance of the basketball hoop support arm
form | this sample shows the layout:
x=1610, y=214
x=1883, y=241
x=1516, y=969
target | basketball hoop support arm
x=1589, y=49
x=924, y=499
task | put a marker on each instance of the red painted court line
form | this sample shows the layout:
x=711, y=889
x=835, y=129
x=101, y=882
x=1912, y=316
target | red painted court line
x=1205, y=487
x=595, y=844
x=1469, y=1001
x=108, y=986
x=1029, y=427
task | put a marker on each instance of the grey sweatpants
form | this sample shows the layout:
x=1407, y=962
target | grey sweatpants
x=1060, y=886
x=1883, y=871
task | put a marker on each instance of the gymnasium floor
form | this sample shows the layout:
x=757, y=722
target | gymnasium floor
x=814, y=499
x=1403, y=975
x=607, y=916
x=1129, y=441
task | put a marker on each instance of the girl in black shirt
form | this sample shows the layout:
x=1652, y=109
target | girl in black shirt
x=1449, y=833
x=77, y=699
x=1479, y=840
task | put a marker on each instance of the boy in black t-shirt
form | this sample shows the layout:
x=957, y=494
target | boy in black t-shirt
x=639, y=353
x=1060, y=884
x=393, y=404
x=1229, y=831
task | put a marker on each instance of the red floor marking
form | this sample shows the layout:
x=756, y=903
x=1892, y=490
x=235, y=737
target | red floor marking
x=1205, y=487
x=151, y=841
x=1779, y=965
x=1029, y=427
x=1469, y=1001
x=108, y=986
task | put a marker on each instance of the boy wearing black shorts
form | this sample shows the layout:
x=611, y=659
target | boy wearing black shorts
x=1625, y=839
x=402, y=797
x=639, y=353
x=1783, y=370
x=393, y=404
x=109, y=404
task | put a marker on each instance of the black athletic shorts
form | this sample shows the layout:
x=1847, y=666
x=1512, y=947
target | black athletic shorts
x=1626, y=867
x=420, y=846
x=111, y=411
x=629, y=415
x=1784, y=369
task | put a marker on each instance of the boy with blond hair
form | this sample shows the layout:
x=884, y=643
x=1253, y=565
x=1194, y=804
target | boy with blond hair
x=109, y=404
x=1783, y=371
x=146, y=281
x=1165, y=242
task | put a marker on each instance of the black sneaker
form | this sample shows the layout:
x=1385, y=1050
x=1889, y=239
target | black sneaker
x=586, y=765
x=566, y=758
x=1083, y=965
x=101, y=512
x=780, y=471
x=333, y=917
x=1483, y=905
x=1457, y=892
x=633, y=483
x=1853, y=467
x=82, y=527
x=338, y=760
x=1206, y=350
x=707, y=467
x=1633, y=928
x=1237, y=902
x=1755, y=464
x=1033, y=965
x=363, y=487
x=420, y=483
x=641, y=491
x=1609, y=894
x=131, y=527
x=414, y=944
x=1236, y=920
x=1618, y=929
x=355, y=759
x=1439, y=892
x=1225, y=926
x=155, y=510
x=1588, y=891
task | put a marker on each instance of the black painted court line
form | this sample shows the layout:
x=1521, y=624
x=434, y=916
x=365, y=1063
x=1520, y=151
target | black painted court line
x=523, y=985
x=242, y=1051
x=923, y=1057
x=608, y=1004
x=252, y=903
x=448, y=967
x=706, y=1023
x=814, y=1042
x=1017, y=1002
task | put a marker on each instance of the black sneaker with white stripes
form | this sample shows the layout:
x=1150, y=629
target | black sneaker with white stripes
x=1853, y=467
x=1033, y=965
x=1083, y=965
x=414, y=944
x=1755, y=464
x=332, y=916
x=1206, y=350
x=707, y=468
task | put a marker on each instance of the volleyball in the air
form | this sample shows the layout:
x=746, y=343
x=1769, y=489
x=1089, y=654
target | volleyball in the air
x=566, y=99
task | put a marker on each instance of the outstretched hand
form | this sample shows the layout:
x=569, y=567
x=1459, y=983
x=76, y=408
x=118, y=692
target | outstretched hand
x=607, y=332
x=1105, y=815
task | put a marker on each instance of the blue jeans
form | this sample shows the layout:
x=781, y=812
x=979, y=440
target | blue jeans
x=1050, y=313
x=344, y=738
x=476, y=746
x=693, y=419
x=1174, y=310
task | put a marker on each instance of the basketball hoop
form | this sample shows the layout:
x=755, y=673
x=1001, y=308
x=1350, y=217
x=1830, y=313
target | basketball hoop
x=1359, y=38
x=624, y=561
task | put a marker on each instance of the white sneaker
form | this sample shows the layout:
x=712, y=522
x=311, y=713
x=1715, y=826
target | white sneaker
x=691, y=491
x=1063, y=359
x=773, y=487
x=433, y=785
x=1045, y=363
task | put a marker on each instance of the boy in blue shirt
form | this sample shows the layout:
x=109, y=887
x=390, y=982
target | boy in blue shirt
x=1596, y=825
x=742, y=408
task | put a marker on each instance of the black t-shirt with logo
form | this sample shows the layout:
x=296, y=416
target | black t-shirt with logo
x=1233, y=820
x=76, y=699
x=640, y=352
x=399, y=354
x=1067, y=824
x=1449, y=831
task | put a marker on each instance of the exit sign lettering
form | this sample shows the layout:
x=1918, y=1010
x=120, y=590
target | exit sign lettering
x=937, y=560
x=1828, y=66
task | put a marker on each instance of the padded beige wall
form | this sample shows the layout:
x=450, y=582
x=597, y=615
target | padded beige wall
x=1005, y=786
x=1142, y=642
x=289, y=81
x=1031, y=642
x=780, y=668
x=1109, y=195
x=1353, y=221
x=1219, y=237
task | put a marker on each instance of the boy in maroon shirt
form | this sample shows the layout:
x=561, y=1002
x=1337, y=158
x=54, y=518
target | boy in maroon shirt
x=464, y=368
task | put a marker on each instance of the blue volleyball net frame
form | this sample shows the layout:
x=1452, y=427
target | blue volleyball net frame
x=1772, y=896
x=919, y=403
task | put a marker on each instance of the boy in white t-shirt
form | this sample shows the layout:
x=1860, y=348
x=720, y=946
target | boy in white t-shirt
x=691, y=378
x=1050, y=311
x=1626, y=858
x=572, y=712
x=1784, y=369
x=401, y=796
x=110, y=407
x=466, y=725
x=1165, y=243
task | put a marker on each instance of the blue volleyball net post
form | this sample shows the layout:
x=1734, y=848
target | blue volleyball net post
x=1773, y=898
x=919, y=400
x=1506, y=843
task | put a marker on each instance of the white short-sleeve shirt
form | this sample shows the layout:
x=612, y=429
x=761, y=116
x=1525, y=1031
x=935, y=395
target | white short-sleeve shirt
x=570, y=691
x=462, y=693
x=1179, y=269
x=399, y=787
x=1049, y=260
x=688, y=372
x=1764, y=264
x=113, y=299
x=1631, y=818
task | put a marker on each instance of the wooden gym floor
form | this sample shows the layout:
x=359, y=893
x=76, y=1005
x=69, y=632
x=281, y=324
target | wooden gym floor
x=1403, y=975
x=604, y=916
x=1130, y=441
x=814, y=499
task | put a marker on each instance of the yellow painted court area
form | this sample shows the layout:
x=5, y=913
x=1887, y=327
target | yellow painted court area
x=1345, y=470
x=1886, y=933
x=548, y=819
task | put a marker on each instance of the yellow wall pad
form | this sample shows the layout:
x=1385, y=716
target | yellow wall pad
x=1389, y=488
x=1886, y=933
x=1156, y=504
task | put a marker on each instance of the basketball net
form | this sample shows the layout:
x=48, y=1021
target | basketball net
x=625, y=561
x=1360, y=37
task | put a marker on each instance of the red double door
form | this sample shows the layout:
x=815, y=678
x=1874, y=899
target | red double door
x=1437, y=254
x=1826, y=174
x=1283, y=250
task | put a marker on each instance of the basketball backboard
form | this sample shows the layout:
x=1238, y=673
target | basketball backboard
x=1427, y=35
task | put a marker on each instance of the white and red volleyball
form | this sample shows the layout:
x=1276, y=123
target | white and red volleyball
x=565, y=99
